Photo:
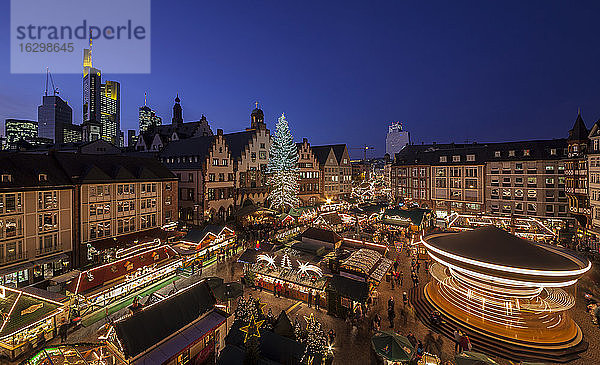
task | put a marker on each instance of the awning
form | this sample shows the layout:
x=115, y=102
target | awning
x=45, y=260
x=129, y=239
x=349, y=288
x=65, y=277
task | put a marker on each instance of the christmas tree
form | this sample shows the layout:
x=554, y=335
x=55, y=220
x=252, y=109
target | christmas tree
x=246, y=309
x=316, y=342
x=283, y=169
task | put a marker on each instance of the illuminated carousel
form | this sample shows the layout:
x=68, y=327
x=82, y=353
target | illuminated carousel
x=510, y=295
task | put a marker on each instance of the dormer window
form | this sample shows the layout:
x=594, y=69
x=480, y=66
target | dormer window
x=553, y=151
x=511, y=153
x=456, y=158
x=6, y=178
x=526, y=152
x=497, y=154
x=43, y=177
x=470, y=157
x=442, y=158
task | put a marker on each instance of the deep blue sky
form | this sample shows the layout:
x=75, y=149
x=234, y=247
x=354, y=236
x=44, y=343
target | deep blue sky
x=341, y=70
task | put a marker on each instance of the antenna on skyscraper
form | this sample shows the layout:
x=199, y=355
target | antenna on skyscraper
x=144, y=98
x=54, y=89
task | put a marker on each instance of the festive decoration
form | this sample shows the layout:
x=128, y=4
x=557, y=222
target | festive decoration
x=252, y=329
x=283, y=169
x=269, y=260
x=246, y=309
x=304, y=268
x=316, y=341
x=286, y=263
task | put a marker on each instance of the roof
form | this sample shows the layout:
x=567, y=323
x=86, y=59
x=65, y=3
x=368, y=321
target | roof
x=23, y=309
x=196, y=147
x=197, y=235
x=369, y=262
x=429, y=154
x=493, y=245
x=25, y=169
x=398, y=216
x=320, y=234
x=91, y=168
x=153, y=324
x=579, y=132
x=167, y=350
x=322, y=152
x=350, y=288
x=237, y=142
x=331, y=218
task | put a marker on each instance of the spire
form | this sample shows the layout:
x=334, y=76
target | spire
x=145, y=98
x=579, y=132
x=256, y=104
x=177, y=98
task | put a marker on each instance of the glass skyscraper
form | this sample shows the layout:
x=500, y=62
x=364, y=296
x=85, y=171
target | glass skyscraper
x=54, y=116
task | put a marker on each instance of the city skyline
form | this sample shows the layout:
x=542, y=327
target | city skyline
x=533, y=92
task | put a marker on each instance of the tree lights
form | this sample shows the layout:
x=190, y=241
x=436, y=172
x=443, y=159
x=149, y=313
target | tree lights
x=283, y=169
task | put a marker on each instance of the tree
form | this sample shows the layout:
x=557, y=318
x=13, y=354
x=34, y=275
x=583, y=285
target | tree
x=316, y=342
x=283, y=168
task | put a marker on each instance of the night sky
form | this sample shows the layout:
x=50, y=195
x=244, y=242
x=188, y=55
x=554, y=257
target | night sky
x=342, y=71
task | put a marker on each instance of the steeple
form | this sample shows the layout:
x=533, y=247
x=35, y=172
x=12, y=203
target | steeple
x=177, y=112
x=579, y=132
x=257, y=118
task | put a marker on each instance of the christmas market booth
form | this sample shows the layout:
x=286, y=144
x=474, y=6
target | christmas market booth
x=303, y=214
x=203, y=245
x=180, y=329
x=106, y=284
x=359, y=277
x=27, y=321
x=330, y=220
x=292, y=273
x=109, y=249
x=416, y=219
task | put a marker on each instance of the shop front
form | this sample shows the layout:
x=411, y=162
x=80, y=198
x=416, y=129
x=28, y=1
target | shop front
x=27, y=321
x=32, y=272
x=209, y=242
x=106, y=284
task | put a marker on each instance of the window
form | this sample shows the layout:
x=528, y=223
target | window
x=442, y=158
x=43, y=177
x=531, y=181
x=549, y=181
x=221, y=177
x=519, y=193
x=470, y=157
x=549, y=169
x=455, y=158
x=262, y=145
x=471, y=183
x=224, y=162
x=262, y=155
x=471, y=171
x=511, y=153
x=497, y=154
x=6, y=178
x=531, y=207
x=211, y=177
x=253, y=156
x=519, y=166
x=531, y=194
x=13, y=203
x=215, y=162
x=190, y=177
x=47, y=200
x=168, y=186
x=526, y=152
x=47, y=222
x=553, y=151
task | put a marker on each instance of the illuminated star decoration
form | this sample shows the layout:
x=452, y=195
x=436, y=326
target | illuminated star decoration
x=251, y=329
x=261, y=305
x=309, y=319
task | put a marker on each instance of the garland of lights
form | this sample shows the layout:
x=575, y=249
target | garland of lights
x=283, y=168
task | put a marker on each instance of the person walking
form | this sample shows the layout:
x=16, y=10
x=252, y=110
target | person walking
x=401, y=276
x=62, y=330
x=391, y=312
x=392, y=280
x=310, y=297
x=396, y=264
x=457, y=335
x=317, y=299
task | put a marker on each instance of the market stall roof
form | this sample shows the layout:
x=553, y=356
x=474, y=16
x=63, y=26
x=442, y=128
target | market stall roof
x=369, y=209
x=45, y=294
x=75, y=354
x=153, y=324
x=211, y=230
x=128, y=240
x=350, y=288
x=21, y=309
x=283, y=326
x=310, y=247
x=166, y=350
x=331, y=218
x=297, y=212
x=320, y=234
x=493, y=245
x=369, y=262
x=405, y=216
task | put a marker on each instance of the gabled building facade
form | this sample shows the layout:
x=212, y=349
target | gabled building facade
x=309, y=181
x=335, y=171
x=204, y=168
x=576, y=172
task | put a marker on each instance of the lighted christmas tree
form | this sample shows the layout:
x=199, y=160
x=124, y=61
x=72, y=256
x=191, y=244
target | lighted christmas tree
x=316, y=342
x=246, y=309
x=283, y=168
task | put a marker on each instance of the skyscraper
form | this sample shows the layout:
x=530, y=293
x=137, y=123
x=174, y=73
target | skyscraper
x=19, y=130
x=110, y=107
x=54, y=116
x=101, y=101
x=148, y=117
x=396, y=139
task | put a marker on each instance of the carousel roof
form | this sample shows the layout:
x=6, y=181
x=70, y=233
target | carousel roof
x=20, y=309
x=494, y=245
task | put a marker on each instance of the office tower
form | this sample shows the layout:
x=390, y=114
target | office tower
x=91, y=87
x=131, y=138
x=148, y=117
x=54, y=115
x=72, y=133
x=19, y=130
x=110, y=107
x=396, y=139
